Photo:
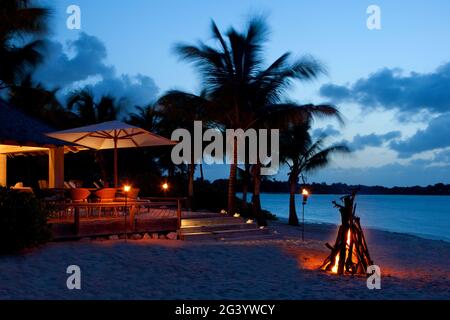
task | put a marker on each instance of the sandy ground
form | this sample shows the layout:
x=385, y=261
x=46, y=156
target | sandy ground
x=279, y=267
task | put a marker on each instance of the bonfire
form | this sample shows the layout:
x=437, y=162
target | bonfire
x=350, y=254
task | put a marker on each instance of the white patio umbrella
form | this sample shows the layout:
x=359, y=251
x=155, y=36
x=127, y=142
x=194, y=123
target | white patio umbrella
x=111, y=135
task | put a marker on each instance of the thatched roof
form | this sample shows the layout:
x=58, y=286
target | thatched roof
x=19, y=129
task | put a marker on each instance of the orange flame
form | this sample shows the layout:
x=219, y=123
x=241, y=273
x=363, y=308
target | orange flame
x=336, y=260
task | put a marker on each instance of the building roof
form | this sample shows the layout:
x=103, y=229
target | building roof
x=19, y=129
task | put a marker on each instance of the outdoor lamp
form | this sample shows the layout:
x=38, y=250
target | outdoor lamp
x=165, y=186
x=126, y=189
x=305, y=194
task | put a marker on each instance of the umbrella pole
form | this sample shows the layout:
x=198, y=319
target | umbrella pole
x=116, y=182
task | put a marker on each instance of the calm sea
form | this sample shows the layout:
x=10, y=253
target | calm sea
x=425, y=216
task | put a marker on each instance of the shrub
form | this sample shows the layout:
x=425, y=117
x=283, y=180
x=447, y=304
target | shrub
x=23, y=221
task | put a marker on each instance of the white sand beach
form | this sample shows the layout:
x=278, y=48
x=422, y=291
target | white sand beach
x=280, y=266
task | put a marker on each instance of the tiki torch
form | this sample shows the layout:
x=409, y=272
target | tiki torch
x=126, y=189
x=305, y=195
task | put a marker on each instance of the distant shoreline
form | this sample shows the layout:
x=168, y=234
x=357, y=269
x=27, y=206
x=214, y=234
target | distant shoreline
x=275, y=186
x=365, y=194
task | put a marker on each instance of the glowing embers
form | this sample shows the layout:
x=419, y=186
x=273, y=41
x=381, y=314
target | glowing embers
x=350, y=254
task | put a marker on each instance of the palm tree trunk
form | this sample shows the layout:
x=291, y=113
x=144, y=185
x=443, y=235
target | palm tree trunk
x=101, y=162
x=256, y=199
x=202, y=177
x=245, y=183
x=293, y=180
x=232, y=181
x=191, y=186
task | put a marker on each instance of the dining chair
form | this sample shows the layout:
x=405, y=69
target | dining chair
x=80, y=195
x=106, y=195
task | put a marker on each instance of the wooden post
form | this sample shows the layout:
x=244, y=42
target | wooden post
x=116, y=178
x=133, y=208
x=56, y=167
x=179, y=213
x=3, y=170
x=76, y=222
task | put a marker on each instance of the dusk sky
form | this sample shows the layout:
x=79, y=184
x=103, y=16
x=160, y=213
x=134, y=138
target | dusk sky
x=392, y=85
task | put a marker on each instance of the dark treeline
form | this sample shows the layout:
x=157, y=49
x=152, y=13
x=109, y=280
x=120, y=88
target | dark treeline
x=276, y=186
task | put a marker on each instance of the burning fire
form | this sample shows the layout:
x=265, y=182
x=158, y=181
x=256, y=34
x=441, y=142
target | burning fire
x=336, y=260
x=336, y=264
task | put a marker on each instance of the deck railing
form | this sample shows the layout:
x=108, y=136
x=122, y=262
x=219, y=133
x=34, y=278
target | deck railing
x=129, y=207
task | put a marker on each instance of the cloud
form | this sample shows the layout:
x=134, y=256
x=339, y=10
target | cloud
x=392, y=89
x=360, y=142
x=87, y=59
x=137, y=90
x=328, y=131
x=435, y=136
x=83, y=63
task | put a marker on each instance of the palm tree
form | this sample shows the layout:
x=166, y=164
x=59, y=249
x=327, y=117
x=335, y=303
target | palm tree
x=91, y=112
x=245, y=93
x=303, y=155
x=180, y=110
x=39, y=102
x=20, y=20
x=145, y=117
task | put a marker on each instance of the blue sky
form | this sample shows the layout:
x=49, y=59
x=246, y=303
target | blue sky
x=390, y=84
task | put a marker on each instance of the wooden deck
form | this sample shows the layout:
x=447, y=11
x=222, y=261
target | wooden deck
x=79, y=220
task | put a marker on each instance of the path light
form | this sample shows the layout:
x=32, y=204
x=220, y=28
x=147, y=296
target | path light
x=305, y=194
x=126, y=189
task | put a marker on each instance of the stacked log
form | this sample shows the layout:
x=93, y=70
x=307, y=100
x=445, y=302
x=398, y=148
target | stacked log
x=350, y=254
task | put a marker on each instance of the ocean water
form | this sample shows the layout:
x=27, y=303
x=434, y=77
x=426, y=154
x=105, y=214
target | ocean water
x=425, y=216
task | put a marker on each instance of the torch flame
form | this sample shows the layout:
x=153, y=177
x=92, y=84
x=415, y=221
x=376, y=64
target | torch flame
x=305, y=192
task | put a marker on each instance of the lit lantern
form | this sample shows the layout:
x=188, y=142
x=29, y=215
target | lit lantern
x=126, y=188
x=165, y=186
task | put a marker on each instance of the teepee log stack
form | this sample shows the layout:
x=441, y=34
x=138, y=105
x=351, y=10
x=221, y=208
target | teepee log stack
x=350, y=254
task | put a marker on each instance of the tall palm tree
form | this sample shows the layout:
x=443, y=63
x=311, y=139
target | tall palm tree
x=181, y=109
x=21, y=23
x=244, y=92
x=303, y=155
